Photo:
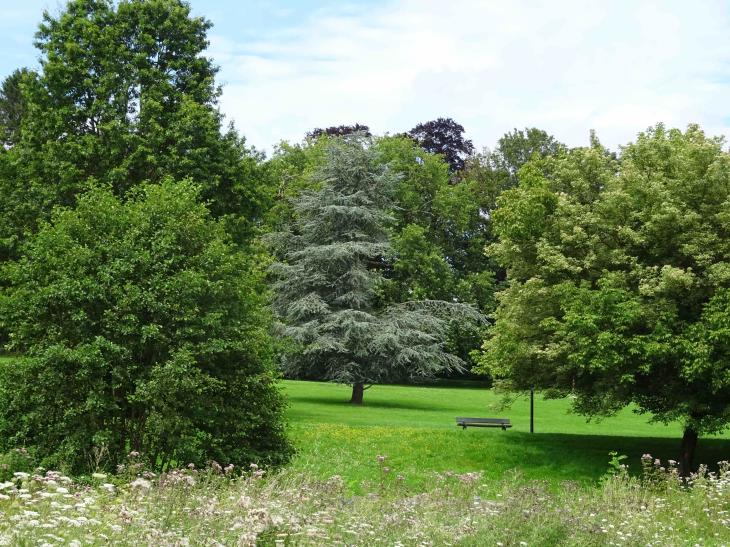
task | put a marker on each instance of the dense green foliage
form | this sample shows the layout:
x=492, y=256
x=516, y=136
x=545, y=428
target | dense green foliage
x=329, y=280
x=12, y=106
x=124, y=95
x=438, y=233
x=142, y=319
x=339, y=131
x=518, y=147
x=144, y=329
x=619, y=280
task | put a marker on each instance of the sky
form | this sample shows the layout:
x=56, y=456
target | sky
x=564, y=66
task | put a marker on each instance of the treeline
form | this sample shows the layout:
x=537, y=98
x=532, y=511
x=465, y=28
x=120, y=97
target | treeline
x=158, y=273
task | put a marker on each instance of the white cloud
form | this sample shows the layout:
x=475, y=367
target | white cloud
x=565, y=66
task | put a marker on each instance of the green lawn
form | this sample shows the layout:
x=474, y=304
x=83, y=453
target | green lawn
x=415, y=428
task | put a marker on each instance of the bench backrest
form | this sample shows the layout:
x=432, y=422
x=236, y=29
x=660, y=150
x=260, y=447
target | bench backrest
x=499, y=421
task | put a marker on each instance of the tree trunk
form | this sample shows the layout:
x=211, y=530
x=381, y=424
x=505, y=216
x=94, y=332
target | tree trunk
x=689, y=443
x=357, y=392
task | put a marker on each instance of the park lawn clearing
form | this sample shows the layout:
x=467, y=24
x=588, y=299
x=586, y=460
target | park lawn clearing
x=415, y=428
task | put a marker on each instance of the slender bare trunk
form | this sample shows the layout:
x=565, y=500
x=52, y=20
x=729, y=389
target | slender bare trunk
x=357, y=393
x=689, y=443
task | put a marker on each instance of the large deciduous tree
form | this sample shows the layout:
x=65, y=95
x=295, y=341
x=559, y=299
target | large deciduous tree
x=515, y=148
x=329, y=280
x=494, y=171
x=620, y=280
x=438, y=238
x=143, y=328
x=124, y=94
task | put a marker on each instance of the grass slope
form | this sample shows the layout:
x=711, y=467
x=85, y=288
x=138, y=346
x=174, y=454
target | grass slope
x=415, y=428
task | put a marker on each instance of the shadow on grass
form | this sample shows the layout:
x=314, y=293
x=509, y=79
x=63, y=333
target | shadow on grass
x=344, y=403
x=443, y=383
x=590, y=453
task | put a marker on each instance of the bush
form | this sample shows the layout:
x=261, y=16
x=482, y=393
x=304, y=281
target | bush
x=12, y=461
x=144, y=331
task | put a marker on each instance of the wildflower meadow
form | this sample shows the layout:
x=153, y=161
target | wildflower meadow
x=224, y=506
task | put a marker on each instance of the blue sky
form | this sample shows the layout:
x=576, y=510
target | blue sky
x=567, y=67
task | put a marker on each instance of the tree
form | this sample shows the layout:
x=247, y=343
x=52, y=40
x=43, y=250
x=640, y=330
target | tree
x=518, y=147
x=329, y=277
x=446, y=137
x=437, y=235
x=619, y=281
x=340, y=131
x=495, y=171
x=438, y=238
x=143, y=328
x=12, y=106
x=124, y=95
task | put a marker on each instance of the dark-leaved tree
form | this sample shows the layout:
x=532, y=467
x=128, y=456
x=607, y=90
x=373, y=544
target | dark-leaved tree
x=329, y=278
x=339, y=131
x=446, y=137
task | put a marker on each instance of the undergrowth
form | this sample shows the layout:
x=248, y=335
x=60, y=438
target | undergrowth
x=224, y=506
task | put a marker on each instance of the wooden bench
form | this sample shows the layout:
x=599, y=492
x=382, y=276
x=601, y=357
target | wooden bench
x=484, y=422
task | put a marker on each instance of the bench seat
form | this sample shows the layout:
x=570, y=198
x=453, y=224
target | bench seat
x=503, y=423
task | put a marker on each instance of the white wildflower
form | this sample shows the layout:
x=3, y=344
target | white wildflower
x=141, y=483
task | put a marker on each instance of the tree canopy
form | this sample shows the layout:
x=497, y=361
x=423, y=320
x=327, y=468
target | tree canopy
x=515, y=148
x=619, y=280
x=339, y=131
x=437, y=236
x=124, y=94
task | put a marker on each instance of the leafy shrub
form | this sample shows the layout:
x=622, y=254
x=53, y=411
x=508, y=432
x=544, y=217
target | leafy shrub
x=17, y=459
x=144, y=330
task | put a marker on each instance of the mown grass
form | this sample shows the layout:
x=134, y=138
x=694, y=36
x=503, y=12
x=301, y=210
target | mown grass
x=415, y=428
